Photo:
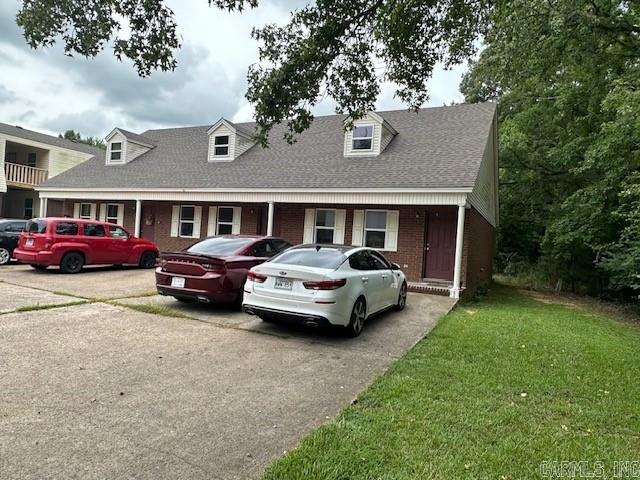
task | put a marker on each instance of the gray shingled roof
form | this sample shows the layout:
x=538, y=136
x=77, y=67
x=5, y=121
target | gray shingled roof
x=435, y=148
x=134, y=137
x=48, y=139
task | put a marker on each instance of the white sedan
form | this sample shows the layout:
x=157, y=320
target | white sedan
x=325, y=285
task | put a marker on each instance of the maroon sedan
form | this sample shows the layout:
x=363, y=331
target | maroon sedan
x=214, y=270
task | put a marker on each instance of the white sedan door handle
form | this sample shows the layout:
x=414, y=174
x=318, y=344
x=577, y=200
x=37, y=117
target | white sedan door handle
x=365, y=279
x=384, y=276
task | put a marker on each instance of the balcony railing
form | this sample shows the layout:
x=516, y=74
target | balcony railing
x=24, y=176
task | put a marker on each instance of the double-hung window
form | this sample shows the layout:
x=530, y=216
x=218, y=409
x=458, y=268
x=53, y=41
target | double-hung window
x=116, y=151
x=221, y=146
x=362, y=138
x=375, y=228
x=85, y=211
x=325, y=225
x=187, y=221
x=225, y=221
x=112, y=213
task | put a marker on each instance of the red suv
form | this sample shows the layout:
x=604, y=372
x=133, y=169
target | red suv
x=214, y=269
x=72, y=243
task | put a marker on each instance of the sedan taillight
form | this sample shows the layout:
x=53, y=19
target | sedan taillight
x=325, y=284
x=256, y=277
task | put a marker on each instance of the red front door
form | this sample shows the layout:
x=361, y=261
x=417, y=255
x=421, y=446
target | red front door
x=440, y=248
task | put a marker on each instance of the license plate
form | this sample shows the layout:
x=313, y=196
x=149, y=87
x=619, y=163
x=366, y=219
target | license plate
x=177, y=282
x=283, y=283
x=29, y=242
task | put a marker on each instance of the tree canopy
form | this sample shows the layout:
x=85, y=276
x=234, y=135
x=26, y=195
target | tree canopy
x=566, y=74
x=76, y=137
x=344, y=49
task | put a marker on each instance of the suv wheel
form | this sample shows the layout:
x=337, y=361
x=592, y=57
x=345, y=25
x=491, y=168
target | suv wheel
x=72, y=262
x=5, y=256
x=147, y=260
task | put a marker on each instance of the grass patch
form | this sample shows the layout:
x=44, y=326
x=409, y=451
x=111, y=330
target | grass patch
x=499, y=387
x=31, y=308
x=153, y=309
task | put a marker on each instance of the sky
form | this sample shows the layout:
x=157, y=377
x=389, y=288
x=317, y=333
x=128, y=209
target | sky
x=45, y=90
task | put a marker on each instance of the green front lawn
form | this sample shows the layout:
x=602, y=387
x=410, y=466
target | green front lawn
x=498, y=388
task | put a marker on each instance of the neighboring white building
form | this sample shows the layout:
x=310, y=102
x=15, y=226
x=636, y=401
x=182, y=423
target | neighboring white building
x=27, y=159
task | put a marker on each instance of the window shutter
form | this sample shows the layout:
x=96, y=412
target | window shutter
x=237, y=220
x=391, y=238
x=309, y=225
x=76, y=210
x=175, y=220
x=103, y=212
x=120, y=213
x=93, y=211
x=211, y=222
x=358, y=228
x=338, y=232
x=197, y=220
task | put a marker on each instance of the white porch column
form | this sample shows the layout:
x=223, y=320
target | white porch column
x=43, y=207
x=138, y=217
x=457, y=269
x=270, y=219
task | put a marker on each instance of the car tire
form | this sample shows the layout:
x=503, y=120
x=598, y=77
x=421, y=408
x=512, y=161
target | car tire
x=147, y=260
x=5, y=256
x=72, y=262
x=402, y=298
x=38, y=267
x=358, y=317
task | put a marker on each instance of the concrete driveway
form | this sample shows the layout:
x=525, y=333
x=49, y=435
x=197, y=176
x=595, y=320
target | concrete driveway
x=96, y=385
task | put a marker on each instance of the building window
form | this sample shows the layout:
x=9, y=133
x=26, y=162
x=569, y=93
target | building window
x=225, y=221
x=85, y=211
x=28, y=208
x=11, y=157
x=363, y=137
x=325, y=225
x=375, y=228
x=221, y=146
x=116, y=151
x=187, y=221
x=32, y=159
x=112, y=213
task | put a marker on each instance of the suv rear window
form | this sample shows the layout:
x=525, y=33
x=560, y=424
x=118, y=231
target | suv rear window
x=67, y=228
x=36, y=226
x=325, y=257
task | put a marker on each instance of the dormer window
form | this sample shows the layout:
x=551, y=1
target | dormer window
x=363, y=138
x=116, y=151
x=221, y=146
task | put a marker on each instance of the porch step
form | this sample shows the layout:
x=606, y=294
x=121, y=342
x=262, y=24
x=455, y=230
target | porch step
x=430, y=288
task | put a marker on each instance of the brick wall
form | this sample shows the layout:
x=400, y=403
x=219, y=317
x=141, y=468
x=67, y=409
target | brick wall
x=478, y=251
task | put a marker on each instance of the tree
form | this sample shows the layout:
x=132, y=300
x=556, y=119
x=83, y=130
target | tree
x=332, y=47
x=566, y=75
x=76, y=137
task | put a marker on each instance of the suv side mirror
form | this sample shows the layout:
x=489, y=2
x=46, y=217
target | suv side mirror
x=395, y=266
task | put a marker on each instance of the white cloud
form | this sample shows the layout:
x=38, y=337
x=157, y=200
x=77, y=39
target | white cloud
x=47, y=91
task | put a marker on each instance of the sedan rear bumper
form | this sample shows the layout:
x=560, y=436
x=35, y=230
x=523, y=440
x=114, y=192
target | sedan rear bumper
x=205, y=289
x=308, y=320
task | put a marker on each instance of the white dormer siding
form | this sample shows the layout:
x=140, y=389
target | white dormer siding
x=129, y=149
x=238, y=142
x=383, y=133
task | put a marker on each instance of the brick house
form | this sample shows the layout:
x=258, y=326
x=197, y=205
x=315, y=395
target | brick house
x=421, y=187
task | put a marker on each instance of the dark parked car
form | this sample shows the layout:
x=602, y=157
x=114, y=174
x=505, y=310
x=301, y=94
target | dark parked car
x=9, y=232
x=72, y=243
x=214, y=270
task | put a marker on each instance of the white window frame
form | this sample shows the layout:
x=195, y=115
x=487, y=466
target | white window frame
x=317, y=227
x=107, y=218
x=227, y=145
x=192, y=222
x=354, y=138
x=118, y=150
x=218, y=222
x=385, y=229
x=85, y=217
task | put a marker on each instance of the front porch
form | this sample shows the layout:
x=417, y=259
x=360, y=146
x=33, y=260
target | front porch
x=429, y=242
